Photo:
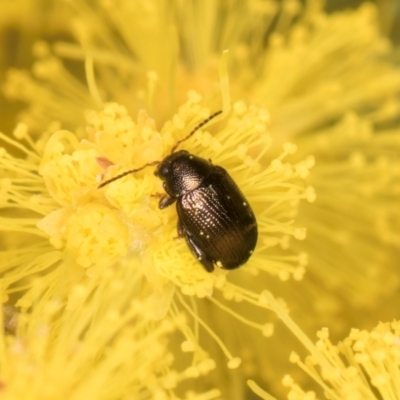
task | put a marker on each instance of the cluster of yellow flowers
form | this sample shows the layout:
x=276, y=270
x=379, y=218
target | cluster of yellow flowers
x=100, y=299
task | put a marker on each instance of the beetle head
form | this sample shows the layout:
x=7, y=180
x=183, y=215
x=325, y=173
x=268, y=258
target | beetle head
x=182, y=172
x=179, y=177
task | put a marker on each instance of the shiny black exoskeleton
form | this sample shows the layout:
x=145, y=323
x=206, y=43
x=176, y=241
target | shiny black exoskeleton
x=213, y=215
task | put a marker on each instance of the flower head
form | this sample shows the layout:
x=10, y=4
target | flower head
x=95, y=228
x=365, y=365
x=100, y=342
x=307, y=88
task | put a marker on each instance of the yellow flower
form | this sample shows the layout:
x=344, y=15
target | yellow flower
x=100, y=343
x=365, y=365
x=92, y=229
x=307, y=88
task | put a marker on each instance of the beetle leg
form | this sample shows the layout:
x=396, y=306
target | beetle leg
x=198, y=253
x=165, y=201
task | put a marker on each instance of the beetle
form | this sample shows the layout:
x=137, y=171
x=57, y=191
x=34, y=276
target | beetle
x=214, y=217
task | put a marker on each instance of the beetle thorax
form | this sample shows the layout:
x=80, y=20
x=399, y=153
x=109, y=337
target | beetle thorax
x=183, y=172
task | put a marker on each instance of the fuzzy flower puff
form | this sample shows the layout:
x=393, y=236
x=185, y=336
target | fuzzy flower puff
x=299, y=108
x=78, y=348
x=365, y=365
x=300, y=100
x=99, y=227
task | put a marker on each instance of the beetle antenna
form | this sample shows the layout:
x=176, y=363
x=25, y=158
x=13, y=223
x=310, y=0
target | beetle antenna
x=131, y=171
x=200, y=125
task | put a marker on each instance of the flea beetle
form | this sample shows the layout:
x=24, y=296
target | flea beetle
x=214, y=217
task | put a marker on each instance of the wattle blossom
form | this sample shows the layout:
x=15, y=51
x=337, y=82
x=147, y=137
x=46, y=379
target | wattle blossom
x=364, y=365
x=308, y=131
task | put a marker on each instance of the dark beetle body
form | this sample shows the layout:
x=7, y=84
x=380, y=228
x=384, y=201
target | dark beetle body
x=213, y=215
